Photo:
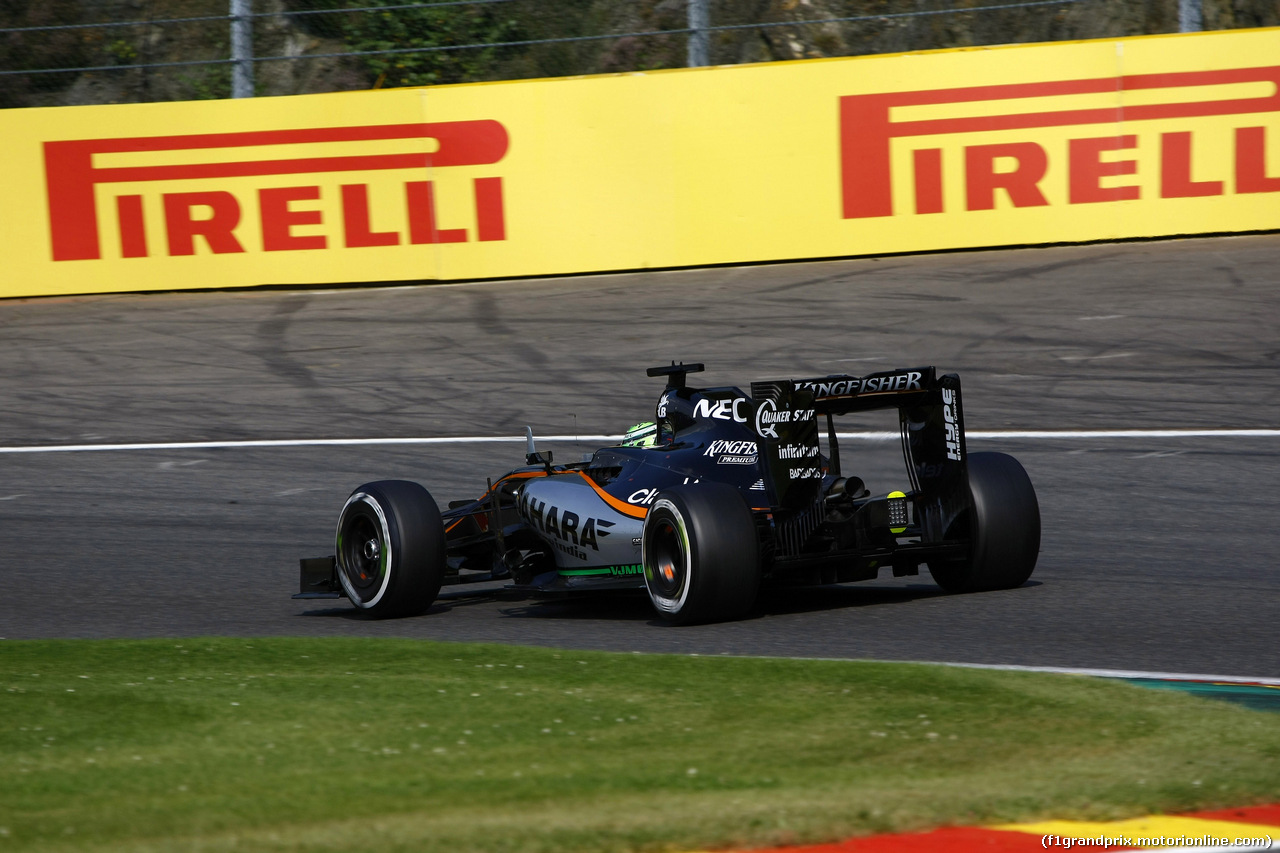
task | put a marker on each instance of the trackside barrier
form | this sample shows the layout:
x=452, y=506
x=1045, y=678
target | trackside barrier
x=1141, y=137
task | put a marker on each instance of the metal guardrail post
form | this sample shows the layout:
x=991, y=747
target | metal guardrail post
x=241, y=49
x=1190, y=16
x=700, y=36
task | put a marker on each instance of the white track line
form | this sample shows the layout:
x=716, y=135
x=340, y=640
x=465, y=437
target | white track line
x=1130, y=433
x=1038, y=435
x=1117, y=673
x=1076, y=435
x=1052, y=670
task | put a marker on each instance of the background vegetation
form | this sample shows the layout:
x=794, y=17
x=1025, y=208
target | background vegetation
x=321, y=49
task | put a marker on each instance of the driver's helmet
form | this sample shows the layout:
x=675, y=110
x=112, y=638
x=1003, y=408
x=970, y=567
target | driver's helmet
x=641, y=435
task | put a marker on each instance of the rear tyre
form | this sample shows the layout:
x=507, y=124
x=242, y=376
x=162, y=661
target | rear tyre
x=1003, y=525
x=391, y=555
x=700, y=555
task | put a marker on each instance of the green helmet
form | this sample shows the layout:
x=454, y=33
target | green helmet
x=641, y=435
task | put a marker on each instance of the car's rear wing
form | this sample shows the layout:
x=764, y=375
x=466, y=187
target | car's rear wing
x=929, y=407
x=930, y=415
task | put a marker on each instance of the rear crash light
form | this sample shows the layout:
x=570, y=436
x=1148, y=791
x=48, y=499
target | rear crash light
x=897, y=512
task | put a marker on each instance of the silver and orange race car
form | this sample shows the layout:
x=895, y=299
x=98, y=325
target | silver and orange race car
x=723, y=494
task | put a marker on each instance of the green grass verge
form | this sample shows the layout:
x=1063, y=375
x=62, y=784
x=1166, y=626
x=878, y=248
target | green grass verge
x=389, y=745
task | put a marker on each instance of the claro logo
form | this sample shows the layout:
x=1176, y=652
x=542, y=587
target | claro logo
x=212, y=214
x=868, y=128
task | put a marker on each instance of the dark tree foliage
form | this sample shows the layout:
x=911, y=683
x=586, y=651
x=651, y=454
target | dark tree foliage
x=39, y=50
x=435, y=42
x=330, y=45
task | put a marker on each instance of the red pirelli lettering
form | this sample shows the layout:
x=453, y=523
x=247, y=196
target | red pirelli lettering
x=1022, y=182
x=133, y=229
x=1175, y=169
x=357, y=232
x=71, y=177
x=217, y=228
x=1251, y=162
x=422, y=216
x=928, y=163
x=1087, y=169
x=490, y=220
x=279, y=218
x=868, y=130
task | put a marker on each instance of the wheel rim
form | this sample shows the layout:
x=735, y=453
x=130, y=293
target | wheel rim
x=364, y=550
x=666, y=558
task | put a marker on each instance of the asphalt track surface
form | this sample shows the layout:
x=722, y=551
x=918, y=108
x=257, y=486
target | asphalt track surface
x=1158, y=553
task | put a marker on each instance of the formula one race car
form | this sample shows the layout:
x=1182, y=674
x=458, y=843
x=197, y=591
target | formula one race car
x=722, y=493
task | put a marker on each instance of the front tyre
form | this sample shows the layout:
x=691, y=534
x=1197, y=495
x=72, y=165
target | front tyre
x=391, y=555
x=700, y=556
x=1003, y=528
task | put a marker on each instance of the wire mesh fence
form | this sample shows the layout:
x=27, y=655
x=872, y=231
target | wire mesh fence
x=61, y=52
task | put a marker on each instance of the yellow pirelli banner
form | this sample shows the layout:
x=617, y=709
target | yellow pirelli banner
x=1015, y=145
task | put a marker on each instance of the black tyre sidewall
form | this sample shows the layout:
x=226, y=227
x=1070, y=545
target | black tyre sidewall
x=1004, y=525
x=723, y=558
x=413, y=535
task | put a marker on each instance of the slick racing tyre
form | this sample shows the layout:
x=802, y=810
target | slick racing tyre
x=699, y=552
x=1003, y=526
x=391, y=556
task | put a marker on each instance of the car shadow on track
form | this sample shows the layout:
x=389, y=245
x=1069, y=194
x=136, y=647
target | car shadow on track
x=779, y=601
x=635, y=607
x=812, y=599
x=445, y=602
x=346, y=611
x=632, y=607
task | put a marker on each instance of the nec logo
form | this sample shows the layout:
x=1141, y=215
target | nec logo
x=214, y=214
x=867, y=130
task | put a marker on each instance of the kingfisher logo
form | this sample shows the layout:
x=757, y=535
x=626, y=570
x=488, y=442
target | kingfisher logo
x=214, y=215
x=1096, y=163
